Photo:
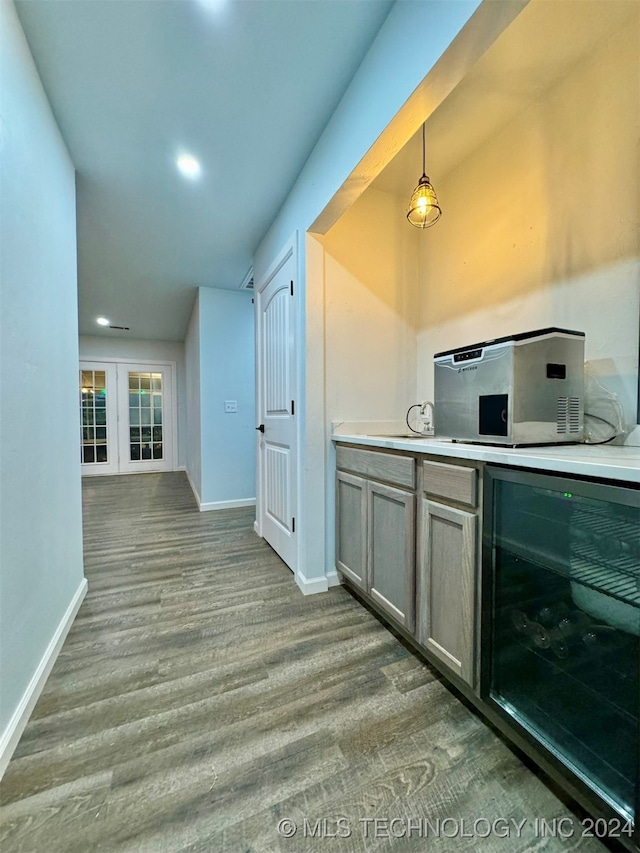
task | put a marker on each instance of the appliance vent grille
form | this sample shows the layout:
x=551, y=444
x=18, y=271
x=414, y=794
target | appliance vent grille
x=574, y=414
x=563, y=414
x=568, y=417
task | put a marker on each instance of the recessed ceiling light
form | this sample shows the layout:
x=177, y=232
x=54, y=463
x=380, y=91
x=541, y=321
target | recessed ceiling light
x=102, y=321
x=188, y=165
x=212, y=5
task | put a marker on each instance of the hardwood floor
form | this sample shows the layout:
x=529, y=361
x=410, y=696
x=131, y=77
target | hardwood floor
x=200, y=699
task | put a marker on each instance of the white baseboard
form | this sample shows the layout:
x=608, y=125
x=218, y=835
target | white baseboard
x=180, y=468
x=256, y=527
x=207, y=507
x=227, y=504
x=333, y=578
x=13, y=732
x=312, y=586
x=193, y=488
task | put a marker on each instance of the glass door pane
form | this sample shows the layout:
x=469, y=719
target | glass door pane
x=146, y=440
x=93, y=417
x=565, y=648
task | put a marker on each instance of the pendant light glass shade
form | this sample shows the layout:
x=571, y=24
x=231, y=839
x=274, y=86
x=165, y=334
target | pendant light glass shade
x=424, y=209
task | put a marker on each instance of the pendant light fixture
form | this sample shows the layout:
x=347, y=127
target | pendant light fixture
x=424, y=210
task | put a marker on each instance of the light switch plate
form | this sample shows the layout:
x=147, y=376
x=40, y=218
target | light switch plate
x=231, y=405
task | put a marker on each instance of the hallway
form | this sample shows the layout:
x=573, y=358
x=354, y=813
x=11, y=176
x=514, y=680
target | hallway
x=200, y=698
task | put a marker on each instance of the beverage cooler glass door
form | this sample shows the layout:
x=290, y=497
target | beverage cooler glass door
x=561, y=626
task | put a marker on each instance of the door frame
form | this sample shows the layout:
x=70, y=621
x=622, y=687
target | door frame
x=172, y=409
x=290, y=249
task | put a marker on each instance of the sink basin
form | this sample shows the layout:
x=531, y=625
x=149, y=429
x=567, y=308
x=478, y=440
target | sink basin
x=402, y=435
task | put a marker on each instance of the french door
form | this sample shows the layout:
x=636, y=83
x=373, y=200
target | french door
x=127, y=415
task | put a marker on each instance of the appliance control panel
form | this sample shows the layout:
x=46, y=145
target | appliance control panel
x=467, y=355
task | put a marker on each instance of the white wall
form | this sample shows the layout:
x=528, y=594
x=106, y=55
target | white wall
x=227, y=372
x=192, y=384
x=411, y=40
x=220, y=366
x=409, y=43
x=542, y=225
x=371, y=311
x=41, y=521
x=98, y=347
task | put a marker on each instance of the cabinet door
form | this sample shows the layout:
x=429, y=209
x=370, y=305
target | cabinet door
x=391, y=551
x=447, y=586
x=351, y=528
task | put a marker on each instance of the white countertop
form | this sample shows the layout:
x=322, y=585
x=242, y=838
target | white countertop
x=605, y=461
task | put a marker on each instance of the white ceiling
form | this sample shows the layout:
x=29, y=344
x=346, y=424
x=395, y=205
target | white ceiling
x=246, y=86
x=532, y=54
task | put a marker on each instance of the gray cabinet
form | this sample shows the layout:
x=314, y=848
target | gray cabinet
x=351, y=528
x=391, y=552
x=448, y=565
x=375, y=528
x=448, y=585
x=380, y=530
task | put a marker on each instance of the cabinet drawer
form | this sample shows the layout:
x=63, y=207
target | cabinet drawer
x=452, y=482
x=390, y=467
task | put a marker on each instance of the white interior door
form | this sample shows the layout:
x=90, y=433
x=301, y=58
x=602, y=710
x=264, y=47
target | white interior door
x=127, y=416
x=276, y=371
x=145, y=428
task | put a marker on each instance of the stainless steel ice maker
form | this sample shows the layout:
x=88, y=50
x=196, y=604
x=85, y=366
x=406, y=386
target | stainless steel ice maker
x=527, y=388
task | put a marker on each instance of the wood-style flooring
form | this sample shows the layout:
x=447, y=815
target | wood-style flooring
x=200, y=699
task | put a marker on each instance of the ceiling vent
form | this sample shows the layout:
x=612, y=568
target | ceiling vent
x=247, y=281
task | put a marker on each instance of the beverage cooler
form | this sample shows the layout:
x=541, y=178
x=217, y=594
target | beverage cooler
x=561, y=629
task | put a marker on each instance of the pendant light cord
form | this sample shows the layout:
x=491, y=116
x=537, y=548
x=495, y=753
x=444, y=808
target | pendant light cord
x=424, y=167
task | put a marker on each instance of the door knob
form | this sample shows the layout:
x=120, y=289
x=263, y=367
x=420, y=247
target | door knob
x=260, y=428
